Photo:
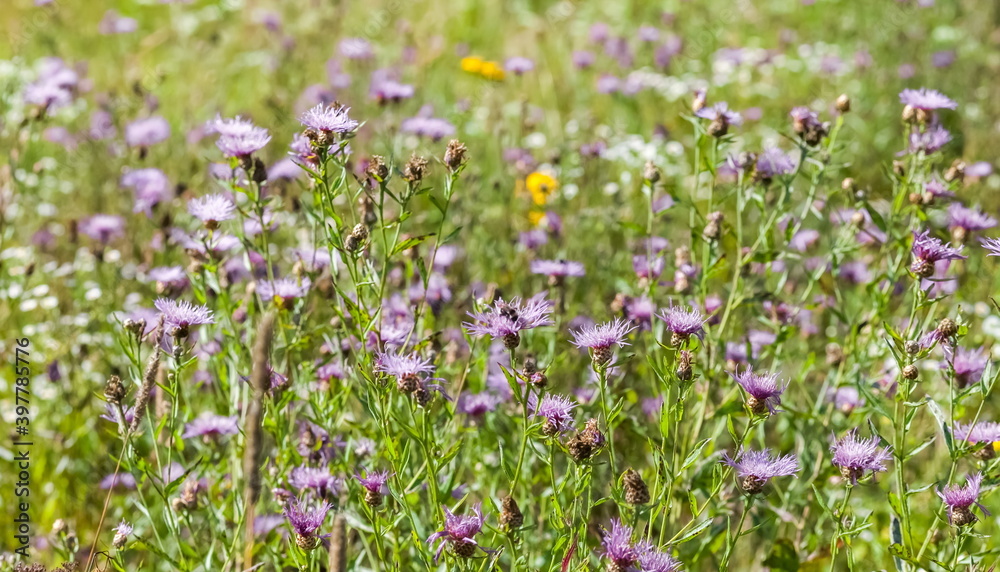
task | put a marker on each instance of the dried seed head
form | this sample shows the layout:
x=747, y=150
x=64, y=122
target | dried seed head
x=454, y=155
x=956, y=172
x=815, y=133
x=59, y=527
x=463, y=549
x=899, y=168
x=368, y=214
x=712, y=229
x=684, y=362
x=843, y=103
x=922, y=268
x=538, y=379
x=114, y=390
x=415, y=169
x=319, y=139
x=682, y=255
x=947, y=327
x=135, y=327
x=910, y=372
x=423, y=396
x=650, y=172
x=718, y=127
x=510, y=514
x=636, y=491
x=834, y=354
x=912, y=347
x=357, y=238
x=700, y=99
x=580, y=449
x=377, y=169
x=987, y=453
x=119, y=540
x=962, y=516
x=858, y=219
x=592, y=433
x=757, y=406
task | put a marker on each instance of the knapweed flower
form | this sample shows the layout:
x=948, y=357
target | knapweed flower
x=478, y=404
x=721, y=118
x=210, y=426
x=541, y=186
x=121, y=535
x=506, y=320
x=963, y=220
x=557, y=411
x=103, y=227
x=284, y=291
x=755, y=468
x=557, y=270
x=317, y=479
x=459, y=532
x=854, y=456
x=519, y=65
x=146, y=132
x=774, y=162
x=179, y=316
x=683, y=323
x=992, y=246
x=763, y=390
x=407, y=369
x=618, y=548
x=238, y=137
x=960, y=500
x=600, y=339
x=926, y=99
x=327, y=120
x=930, y=140
x=305, y=521
x=982, y=433
x=969, y=365
x=356, y=49
x=212, y=209
x=653, y=560
x=928, y=250
x=375, y=486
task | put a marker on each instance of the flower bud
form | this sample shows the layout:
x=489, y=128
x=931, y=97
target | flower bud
x=843, y=103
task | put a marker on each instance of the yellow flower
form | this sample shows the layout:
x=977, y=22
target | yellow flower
x=535, y=217
x=472, y=64
x=541, y=186
x=492, y=71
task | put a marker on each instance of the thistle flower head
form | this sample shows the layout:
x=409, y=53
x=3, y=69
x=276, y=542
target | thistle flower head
x=959, y=500
x=306, y=521
x=181, y=314
x=603, y=336
x=720, y=110
x=981, y=432
x=930, y=140
x=969, y=220
x=401, y=366
x=652, y=559
x=764, y=391
x=459, y=531
x=774, y=162
x=122, y=531
x=927, y=250
x=755, y=468
x=329, y=119
x=212, y=209
x=103, y=227
x=969, y=365
x=210, y=425
x=557, y=411
x=926, y=99
x=557, y=268
x=315, y=478
x=854, y=456
x=683, y=323
x=618, y=547
x=375, y=481
x=284, y=291
x=506, y=320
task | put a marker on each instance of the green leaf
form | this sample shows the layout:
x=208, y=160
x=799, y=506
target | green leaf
x=783, y=556
x=410, y=243
x=943, y=423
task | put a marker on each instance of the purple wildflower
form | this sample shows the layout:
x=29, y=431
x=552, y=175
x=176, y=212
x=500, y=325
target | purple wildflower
x=963, y=220
x=647, y=268
x=755, y=468
x=992, y=246
x=982, y=432
x=459, y=532
x=146, y=132
x=478, y=404
x=210, y=426
x=306, y=521
x=930, y=140
x=651, y=559
x=329, y=119
x=284, y=291
x=936, y=188
x=182, y=315
x=721, y=117
x=683, y=323
x=212, y=209
x=969, y=365
x=557, y=268
x=557, y=411
x=763, y=391
x=854, y=456
x=928, y=250
x=601, y=338
x=926, y=99
x=121, y=534
x=519, y=65
x=618, y=548
x=375, y=481
x=103, y=227
x=506, y=320
x=315, y=478
x=433, y=128
x=356, y=49
x=774, y=162
x=150, y=186
x=960, y=500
